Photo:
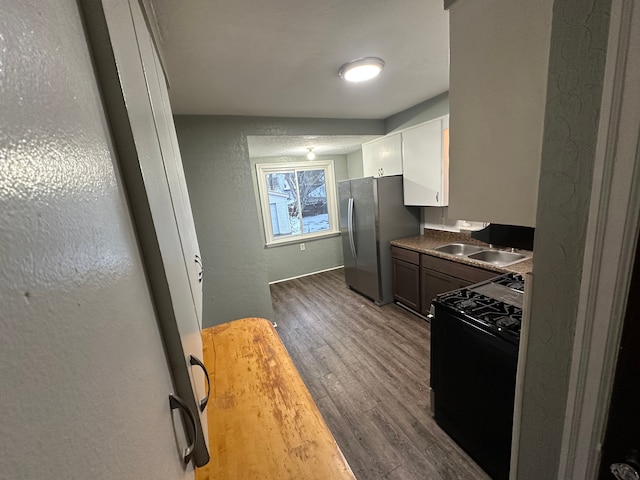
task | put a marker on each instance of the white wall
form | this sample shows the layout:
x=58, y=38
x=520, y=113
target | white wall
x=438, y=218
x=84, y=375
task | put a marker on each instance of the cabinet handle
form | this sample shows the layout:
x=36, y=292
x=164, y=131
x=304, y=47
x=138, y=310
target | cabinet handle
x=196, y=361
x=201, y=271
x=437, y=196
x=176, y=402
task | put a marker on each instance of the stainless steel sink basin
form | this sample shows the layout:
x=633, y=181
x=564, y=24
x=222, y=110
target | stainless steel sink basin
x=497, y=257
x=461, y=249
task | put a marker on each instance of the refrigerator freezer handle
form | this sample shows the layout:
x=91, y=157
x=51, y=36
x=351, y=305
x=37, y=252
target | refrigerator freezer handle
x=350, y=225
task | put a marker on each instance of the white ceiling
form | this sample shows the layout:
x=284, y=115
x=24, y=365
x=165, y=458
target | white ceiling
x=281, y=57
x=297, y=146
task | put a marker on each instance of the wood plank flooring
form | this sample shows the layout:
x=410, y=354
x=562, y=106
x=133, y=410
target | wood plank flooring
x=367, y=368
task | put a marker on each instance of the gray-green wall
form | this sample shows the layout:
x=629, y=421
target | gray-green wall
x=422, y=112
x=576, y=72
x=216, y=161
x=287, y=261
x=356, y=169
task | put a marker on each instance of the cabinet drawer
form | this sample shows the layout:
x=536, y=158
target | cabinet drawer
x=406, y=255
x=458, y=270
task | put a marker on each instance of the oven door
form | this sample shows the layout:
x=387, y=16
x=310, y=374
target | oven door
x=473, y=376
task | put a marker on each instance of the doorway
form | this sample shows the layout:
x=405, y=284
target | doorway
x=622, y=434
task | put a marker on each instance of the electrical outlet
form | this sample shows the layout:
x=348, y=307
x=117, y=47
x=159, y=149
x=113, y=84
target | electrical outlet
x=302, y=247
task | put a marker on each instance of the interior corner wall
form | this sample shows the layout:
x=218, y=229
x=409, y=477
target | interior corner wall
x=216, y=161
x=288, y=261
x=576, y=74
x=423, y=112
x=356, y=167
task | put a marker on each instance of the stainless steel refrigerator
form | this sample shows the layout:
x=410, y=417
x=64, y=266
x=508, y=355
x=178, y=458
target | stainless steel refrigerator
x=372, y=213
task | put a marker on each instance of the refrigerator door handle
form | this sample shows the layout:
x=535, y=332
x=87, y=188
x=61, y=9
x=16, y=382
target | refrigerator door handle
x=350, y=224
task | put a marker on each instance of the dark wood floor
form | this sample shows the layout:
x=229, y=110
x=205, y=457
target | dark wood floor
x=367, y=368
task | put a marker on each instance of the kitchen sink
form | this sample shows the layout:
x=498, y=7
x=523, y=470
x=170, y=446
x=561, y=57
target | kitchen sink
x=497, y=257
x=461, y=249
x=500, y=258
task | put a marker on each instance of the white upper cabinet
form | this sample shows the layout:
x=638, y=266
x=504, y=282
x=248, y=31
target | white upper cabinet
x=382, y=157
x=425, y=163
x=498, y=77
x=172, y=162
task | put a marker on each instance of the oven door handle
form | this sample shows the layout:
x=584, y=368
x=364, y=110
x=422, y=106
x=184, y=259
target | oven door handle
x=477, y=327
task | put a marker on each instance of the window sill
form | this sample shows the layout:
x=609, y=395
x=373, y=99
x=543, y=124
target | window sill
x=298, y=240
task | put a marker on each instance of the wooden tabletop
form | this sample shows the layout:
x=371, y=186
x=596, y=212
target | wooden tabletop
x=263, y=423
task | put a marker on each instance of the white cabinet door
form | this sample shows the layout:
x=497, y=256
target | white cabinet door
x=173, y=168
x=425, y=163
x=382, y=157
x=169, y=164
x=140, y=118
x=498, y=79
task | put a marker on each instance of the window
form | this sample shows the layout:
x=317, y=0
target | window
x=298, y=200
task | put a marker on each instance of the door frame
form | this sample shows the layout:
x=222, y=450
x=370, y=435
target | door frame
x=612, y=236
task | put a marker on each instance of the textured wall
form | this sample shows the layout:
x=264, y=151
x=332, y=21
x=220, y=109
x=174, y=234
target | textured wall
x=576, y=68
x=286, y=261
x=84, y=377
x=355, y=166
x=215, y=156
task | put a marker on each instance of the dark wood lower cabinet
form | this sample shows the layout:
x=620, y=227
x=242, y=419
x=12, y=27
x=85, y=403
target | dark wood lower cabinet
x=418, y=278
x=433, y=283
x=406, y=283
x=439, y=275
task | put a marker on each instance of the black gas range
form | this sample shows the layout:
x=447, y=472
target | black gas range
x=475, y=332
x=495, y=304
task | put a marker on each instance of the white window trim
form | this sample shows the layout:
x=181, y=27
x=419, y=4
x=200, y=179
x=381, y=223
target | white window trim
x=262, y=169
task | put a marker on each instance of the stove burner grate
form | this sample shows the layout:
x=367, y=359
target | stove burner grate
x=487, y=310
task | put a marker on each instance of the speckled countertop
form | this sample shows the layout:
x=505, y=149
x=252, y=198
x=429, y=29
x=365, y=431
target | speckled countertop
x=436, y=238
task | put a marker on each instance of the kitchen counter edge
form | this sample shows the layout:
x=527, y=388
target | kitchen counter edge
x=436, y=238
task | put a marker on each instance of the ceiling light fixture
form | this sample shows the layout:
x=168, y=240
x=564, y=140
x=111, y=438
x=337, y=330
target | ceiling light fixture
x=310, y=155
x=361, y=69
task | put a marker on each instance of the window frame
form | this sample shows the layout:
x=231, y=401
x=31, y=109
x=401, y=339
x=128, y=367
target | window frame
x=262, y=169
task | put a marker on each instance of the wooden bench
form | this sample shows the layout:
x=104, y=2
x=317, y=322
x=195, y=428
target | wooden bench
x=263, y=423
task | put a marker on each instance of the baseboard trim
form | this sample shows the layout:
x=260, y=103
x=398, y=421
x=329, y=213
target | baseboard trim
x=306, y=275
